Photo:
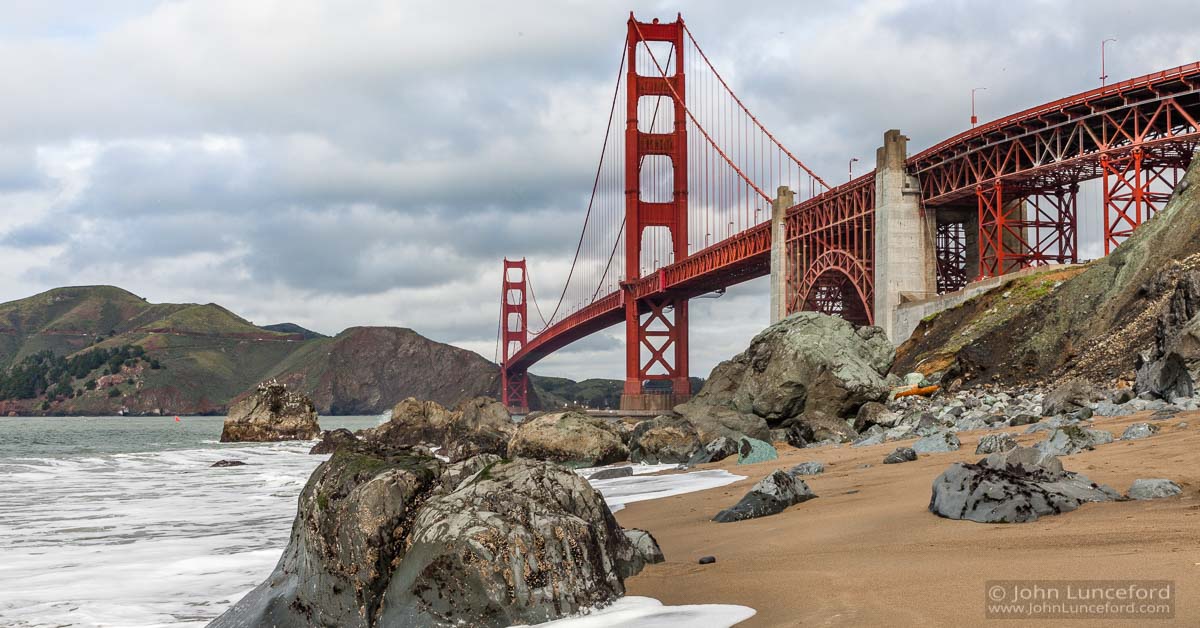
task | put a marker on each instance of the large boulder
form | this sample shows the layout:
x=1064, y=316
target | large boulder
x=1172, y=367
x=806, y=363
x=664, y=440
x=571, y=438
x=271, y=413
x=715, y=451
x=476, y=426
x=1015, y=486
x=1156, y=488
x=1071, y=395
x=394, y=538
x=332, y=439
x=772, y=495
x=713, y=422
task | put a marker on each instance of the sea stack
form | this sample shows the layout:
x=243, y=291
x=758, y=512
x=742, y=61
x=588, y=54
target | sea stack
x=271, y=413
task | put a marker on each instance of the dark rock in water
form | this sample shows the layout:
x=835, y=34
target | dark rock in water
x=801, y=365
x=272, y=413
x=663, y=440
x=332, y=439
x=228, y=463
x=996, y=443
x=612, y=474
x=1153, y=489
x=571, y=438
x=1138, y=431
x=1069, y=396
x=393, y=538
x=716, y=451
x=902, y=454
x=752, y=450
x=707, y=560
x=1015, y=486
x=807, y=468
x=772, y=495
x=1072, y=439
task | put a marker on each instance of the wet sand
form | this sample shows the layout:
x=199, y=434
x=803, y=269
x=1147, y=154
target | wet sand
x=867, y=552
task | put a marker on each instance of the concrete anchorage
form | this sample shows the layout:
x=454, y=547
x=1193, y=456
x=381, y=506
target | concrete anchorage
x=784, y=198
x=905, y=255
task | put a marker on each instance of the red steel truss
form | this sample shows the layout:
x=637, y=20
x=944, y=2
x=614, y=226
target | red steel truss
x=830, y=238
x=1021, y=174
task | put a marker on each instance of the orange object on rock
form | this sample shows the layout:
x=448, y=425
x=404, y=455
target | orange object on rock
x=924, y=392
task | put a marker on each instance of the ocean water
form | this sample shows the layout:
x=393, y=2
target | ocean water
x=121, y=521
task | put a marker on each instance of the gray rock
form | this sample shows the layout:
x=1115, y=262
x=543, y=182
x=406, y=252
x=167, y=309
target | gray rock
x=570, y=438
x=902, y=454
x=714, y=421
x=807, y=468
x=806, y=363
x=996, y=443
x=644, y=548
x=1071, y=439
x=1016, y=486
x=1105, y=408
x=665, y=439
x=1024, y=419
x=271, y=413
x=612, y=474
x=1121, y=395
x=477, y=426
x=1173, y=365
x=915, y=379
x=1070, y=395
x=874, y=439
x=970, y=423
x=332, y=439
x=874, y=413
x=227, y=463
x=716, y=451
x=707, y=560
x=381, y=539
x=751, y=451
x=1138, y=431
x=1153, y=489
x=772, y=495
x=936, y=443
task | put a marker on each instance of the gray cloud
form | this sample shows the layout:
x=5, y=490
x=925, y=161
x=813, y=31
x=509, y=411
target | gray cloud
x=342, y=163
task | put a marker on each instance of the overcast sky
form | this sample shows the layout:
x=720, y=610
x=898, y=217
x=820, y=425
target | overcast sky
x=339, y=163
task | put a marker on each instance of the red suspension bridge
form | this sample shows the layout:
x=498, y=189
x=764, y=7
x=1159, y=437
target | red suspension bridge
x=681, y=205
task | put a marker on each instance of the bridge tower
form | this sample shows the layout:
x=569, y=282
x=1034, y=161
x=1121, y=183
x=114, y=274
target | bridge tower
x=656, y=329
x=514, y=333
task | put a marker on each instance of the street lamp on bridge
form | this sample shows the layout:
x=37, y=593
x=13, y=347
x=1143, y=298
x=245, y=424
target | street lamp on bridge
x=974, y=118
x=851, y=168
x=1103, y=71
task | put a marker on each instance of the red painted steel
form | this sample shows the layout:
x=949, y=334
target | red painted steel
x=514, y=321
x=1021, y=174
x=664, y=332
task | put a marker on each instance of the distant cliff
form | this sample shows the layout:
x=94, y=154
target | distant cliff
x=195, y=359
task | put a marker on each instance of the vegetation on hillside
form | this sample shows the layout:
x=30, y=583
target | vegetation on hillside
x=58, y=377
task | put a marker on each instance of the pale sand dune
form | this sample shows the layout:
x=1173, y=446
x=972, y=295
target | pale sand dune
x=879, y=557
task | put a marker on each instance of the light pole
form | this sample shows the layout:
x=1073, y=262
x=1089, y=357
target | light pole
x=974, y=118
x=1103, y=71
x=851, y=167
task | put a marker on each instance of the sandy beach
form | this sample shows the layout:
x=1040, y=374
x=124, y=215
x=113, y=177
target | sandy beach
x=867, y=552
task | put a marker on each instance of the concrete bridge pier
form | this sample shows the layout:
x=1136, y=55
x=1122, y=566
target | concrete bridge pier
x=784, y=199
x=905, y=251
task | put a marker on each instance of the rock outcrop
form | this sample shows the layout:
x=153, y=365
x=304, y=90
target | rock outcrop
x=477, y=426
x=571, y=438
x=663, y=440
x=332, y=439
x=771, y=495
x=395, y=538
x=808, y=363
x=272, y=413
x=1171, y=367
x=1015, y=486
